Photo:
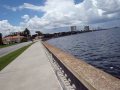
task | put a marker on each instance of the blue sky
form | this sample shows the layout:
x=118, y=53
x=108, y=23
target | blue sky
x=49, y=14
x=15, y=17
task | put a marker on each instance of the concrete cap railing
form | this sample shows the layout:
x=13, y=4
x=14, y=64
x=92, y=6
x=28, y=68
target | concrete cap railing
x=91, y=77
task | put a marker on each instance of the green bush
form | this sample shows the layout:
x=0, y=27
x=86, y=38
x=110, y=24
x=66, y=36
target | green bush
x=24, y=40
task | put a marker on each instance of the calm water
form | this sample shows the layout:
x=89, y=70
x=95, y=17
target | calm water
x=100, y=49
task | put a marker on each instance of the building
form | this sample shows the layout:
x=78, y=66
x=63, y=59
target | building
x=86, y=28
x=73, y=28
x=12, y=39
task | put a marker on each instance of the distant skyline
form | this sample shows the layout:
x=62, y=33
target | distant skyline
x=44, y=15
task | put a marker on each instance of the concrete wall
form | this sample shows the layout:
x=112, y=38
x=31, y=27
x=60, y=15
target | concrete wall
x=91, y=77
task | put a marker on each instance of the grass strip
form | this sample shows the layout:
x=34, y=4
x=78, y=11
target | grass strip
x=3, y=46
x=5, y=60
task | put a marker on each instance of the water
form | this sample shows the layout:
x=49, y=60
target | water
x=100, y=48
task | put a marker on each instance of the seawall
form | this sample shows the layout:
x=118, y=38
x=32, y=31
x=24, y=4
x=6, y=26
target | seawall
x=81, y=74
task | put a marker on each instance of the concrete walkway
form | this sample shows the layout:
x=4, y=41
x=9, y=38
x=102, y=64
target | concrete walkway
x=30, y=71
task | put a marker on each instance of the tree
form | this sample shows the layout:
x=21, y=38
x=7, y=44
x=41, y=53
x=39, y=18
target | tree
x=39, y=33
x=1, y=42
x=26, y=32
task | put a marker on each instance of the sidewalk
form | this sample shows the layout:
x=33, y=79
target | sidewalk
x=30, y=71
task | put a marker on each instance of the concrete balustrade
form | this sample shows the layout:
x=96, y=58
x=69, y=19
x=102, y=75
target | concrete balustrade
x=83, y=75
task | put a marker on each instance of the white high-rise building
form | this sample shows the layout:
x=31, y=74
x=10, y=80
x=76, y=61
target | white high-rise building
x=73, y=28
x=86, y=28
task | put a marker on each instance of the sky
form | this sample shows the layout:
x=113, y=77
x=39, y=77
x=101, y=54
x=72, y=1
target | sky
x=47, y=15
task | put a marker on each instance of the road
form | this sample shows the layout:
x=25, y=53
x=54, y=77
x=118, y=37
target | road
x=4, y=51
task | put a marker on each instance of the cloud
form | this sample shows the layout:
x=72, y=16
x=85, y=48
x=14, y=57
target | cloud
x=6, y=27
x=62, y=13
x=10, y=8
x=59, y=13
x=24, y=6
x=108, y=5
x=30, y=6
x=25, y=17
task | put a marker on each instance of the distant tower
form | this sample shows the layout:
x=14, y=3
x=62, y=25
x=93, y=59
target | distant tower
x=73, y=28
x=86, y=28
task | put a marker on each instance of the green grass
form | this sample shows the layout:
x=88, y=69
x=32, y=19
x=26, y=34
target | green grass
x=3, y=46
x=5, y=60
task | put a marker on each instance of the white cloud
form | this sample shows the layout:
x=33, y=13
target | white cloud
x=10, y=8
x=30, y=6
x=66, y=11
x=60, y=13
x=24, y=6
x=108, y=5
x=6, y=27
x=25, y=17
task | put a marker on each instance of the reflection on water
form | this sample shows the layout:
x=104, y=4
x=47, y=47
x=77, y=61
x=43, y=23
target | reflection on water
x=100, y=49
